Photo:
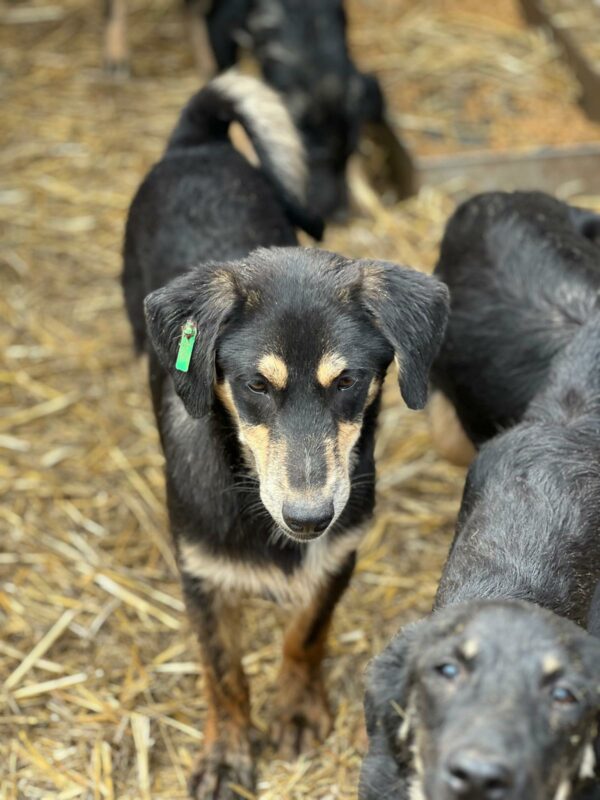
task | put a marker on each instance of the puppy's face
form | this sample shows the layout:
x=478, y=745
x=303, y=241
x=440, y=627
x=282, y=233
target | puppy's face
x=297, y=374
x=294, y=345
x=500, y=703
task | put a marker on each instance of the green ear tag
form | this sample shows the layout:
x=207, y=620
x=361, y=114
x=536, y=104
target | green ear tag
x=186, y=346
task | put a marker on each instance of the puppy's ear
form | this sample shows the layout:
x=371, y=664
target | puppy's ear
x=587, y=223
x=411, y=311
x=388, y=688
x=206, y=297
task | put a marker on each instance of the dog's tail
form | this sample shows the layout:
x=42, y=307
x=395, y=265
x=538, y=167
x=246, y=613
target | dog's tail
x=261, y=112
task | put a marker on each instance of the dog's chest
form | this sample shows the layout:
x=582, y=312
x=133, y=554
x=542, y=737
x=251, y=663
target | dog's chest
x=322, y=559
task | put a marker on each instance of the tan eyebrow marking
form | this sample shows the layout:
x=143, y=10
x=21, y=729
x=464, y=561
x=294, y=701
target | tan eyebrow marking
x=274, y=369
x=551, y=664
x=470, y=648
x=373, y=390
x=225, y=395
x=330, y=366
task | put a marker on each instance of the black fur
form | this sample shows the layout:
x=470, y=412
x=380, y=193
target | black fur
x=190, y=243
x=524, y=273
x=499, y=705
x=525, y=331
x=302, y=49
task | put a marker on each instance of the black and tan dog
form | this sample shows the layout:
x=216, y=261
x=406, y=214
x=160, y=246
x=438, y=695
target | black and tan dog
x=268, y=435
x=523, y=271
x=493, y=698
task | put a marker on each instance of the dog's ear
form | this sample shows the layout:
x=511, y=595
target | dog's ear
x=587, y=223
x=411, y=311
x=205, y=297
x=388, y=683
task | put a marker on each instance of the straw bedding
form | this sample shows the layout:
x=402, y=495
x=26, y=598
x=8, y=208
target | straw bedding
x=100, y=692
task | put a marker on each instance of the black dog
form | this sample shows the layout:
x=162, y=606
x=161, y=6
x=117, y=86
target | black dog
x=488, y=701
x=500, y=699
x=527, y=531
x=303, y=52
x=268, y=436
x=524, y=272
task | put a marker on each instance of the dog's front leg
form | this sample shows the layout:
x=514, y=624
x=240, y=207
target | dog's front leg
x=227, y=758
x=303, y=717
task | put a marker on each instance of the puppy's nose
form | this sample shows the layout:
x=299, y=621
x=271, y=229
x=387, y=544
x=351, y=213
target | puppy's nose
x=474, y=777
x=301, y=518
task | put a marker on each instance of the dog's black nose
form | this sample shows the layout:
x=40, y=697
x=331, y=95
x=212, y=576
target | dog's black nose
x=474, y=777
x=307, y=519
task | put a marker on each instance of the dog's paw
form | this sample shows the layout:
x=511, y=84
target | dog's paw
x=221, y=771
x=303, y=720
x=116, y=69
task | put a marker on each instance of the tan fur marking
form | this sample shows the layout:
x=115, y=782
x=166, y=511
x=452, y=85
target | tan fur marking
x=373, y=391
x=551, y=664
x=330, y=366
x=225, y=395
x=448, y=436
x=257, y=438
x=253, y=298
x=470, y=648
x=416, y=790
x=347, y=436
x=564, y=791
x=323, y=558
x=588, y=763
x=241, y=141
x=274, y=369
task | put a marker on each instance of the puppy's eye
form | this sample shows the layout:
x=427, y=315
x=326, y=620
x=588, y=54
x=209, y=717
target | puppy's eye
x=448, y=670
x=563, y=696
x=258, y=386
x=345, y=382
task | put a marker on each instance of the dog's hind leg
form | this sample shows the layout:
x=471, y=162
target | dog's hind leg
x=303, y=717
x=116, y=50
x=201, y=45
x=227, y=759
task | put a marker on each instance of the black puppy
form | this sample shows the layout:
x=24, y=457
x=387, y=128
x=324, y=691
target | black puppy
x=488, y=701
x=266, y=369
x=524, y=272
x=500, y=700
x=303, y=52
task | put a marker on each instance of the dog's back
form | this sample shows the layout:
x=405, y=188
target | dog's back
x=528, y=524
x=523, y=277
x=204, y=201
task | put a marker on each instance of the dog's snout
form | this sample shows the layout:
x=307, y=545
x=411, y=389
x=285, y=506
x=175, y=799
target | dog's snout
x=307, y=519
x=471, y=776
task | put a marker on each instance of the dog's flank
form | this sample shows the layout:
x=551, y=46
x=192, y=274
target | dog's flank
x=523, y=273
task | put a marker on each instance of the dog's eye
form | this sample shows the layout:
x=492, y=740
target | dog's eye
x=448, y=670
x=563, y=696
x=345, y=382
x=258, y=386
